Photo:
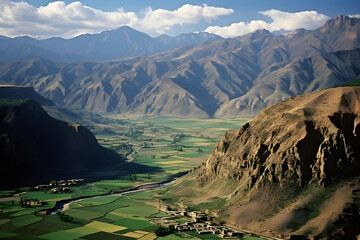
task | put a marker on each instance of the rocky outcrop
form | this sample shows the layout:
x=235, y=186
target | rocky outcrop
x=308, y=138
x=35, y=147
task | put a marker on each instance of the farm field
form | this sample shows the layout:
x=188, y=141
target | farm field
x=171, y=145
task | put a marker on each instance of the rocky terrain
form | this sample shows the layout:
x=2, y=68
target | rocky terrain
x=35, y=147
x=294, y=169
x=224, y=78
x=308, y=138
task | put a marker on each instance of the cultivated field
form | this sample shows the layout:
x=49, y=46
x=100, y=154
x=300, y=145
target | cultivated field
x=170, y=145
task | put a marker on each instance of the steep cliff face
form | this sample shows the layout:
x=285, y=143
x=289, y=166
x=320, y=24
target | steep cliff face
x=294, y=169
x=35, y=147
x=309, y=138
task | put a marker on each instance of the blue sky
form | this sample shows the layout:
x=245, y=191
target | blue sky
x=229, y=18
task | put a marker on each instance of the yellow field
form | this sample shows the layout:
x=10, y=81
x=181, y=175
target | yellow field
x=105, y=227
x=150, y=236
x=135, y=234
x=83, y=230
x=171, y=162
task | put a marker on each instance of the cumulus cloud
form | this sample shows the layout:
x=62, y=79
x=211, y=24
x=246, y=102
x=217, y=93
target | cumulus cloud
x=69, y=20
x=161, y=20
x=355, y=16
x=280, y=21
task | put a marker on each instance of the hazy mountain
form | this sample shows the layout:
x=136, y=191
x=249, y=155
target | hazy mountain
x=230, y=77
x=294, y=169
x=108, y=45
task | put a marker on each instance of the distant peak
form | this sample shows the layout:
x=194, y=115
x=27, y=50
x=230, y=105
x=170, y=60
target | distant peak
x=341, y=21
x=295, y=32
x=260, y=34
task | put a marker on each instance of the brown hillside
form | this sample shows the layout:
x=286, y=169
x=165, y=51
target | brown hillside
x=294, y=169
x=312, y=137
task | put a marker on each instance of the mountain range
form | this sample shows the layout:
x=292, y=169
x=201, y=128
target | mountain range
x=118, y=43
x=225, y=78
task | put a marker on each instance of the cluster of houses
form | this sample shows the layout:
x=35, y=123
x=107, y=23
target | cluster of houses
x=60, y=186
x=199, y=223
x=27, y=203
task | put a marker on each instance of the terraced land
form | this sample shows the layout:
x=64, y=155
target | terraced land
x=170, y=145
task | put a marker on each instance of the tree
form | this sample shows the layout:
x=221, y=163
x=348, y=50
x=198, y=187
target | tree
x=161, y=231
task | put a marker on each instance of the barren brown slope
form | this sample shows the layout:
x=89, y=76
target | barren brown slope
x=280, y=81
x=312, y=137
x=256, y=70
x=294, y=169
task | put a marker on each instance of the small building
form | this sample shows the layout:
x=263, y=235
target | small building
x=182, y=228
x=35, y=203
x=166, y=208
x=193, y=214
x=166, y=219
x=203, y=231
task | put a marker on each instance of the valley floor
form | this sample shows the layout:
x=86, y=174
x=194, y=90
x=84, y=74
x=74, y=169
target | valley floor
x=170, y=145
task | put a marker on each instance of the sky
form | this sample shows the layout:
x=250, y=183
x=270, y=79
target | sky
x=228, y=18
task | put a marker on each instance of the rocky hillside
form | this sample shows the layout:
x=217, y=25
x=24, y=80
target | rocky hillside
x=35, y=147
x=309, y=138
x=225, y=78
x=294, y=169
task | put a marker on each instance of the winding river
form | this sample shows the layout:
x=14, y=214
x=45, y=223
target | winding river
x=64, y=205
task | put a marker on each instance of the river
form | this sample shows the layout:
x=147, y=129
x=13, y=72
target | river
x=64, y=205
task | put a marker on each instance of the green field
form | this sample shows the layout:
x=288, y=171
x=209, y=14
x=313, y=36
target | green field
x=171, y=145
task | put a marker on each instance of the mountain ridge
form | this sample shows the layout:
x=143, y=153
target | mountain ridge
x=108, y=45
x=226, y=78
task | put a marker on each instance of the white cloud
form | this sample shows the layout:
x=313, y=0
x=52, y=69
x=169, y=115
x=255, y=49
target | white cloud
x=59, y=19
x=160, y=20
x=354, y=16
x=280, y=21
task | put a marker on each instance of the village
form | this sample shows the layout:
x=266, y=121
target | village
x=61, y=186
x=198, y=222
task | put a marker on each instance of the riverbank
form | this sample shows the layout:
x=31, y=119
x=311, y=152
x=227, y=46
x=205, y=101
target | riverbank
x=63, y=205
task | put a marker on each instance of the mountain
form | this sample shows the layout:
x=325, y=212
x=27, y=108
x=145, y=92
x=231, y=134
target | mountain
x=35, y=148
x=108, y=45
x=294, y=169
x=18, y=92
x=303, y=75
x=226, y=78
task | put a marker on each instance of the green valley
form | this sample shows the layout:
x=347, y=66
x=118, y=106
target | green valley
x=170, y=145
